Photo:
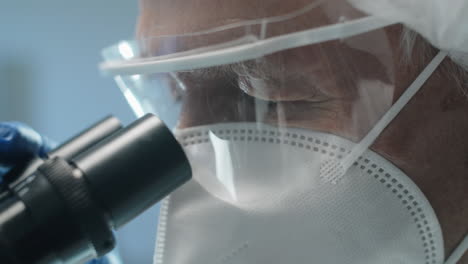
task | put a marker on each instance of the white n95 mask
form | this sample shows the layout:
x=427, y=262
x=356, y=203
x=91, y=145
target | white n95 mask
x=259, y=197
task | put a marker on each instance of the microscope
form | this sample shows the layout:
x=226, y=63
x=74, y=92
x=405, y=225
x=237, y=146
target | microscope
x=64, y=208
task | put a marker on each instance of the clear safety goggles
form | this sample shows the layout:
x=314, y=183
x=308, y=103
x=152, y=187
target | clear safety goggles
x=326, y=67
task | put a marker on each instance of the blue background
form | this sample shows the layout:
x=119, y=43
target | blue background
x=49, y=78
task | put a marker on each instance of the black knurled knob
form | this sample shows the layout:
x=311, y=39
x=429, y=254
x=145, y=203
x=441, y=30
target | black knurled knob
x=72, y=187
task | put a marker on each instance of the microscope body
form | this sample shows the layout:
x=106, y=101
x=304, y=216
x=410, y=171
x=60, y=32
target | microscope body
x=64, y=208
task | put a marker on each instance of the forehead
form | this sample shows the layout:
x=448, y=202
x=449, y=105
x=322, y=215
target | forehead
x=180, y=16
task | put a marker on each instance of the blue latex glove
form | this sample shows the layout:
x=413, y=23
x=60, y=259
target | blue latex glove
x=19, y=143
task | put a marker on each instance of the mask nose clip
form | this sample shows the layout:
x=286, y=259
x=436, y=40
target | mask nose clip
x=332, y=171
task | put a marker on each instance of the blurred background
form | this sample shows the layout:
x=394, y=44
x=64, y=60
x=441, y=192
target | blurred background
x=49, y=78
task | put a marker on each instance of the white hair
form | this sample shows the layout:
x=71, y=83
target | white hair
x=417, y=50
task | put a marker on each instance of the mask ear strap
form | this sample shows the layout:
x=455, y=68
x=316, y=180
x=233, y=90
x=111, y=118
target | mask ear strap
x=370, y=138
x=459, y=251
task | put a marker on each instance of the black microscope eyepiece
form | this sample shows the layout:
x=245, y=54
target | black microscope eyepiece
x=63, y=209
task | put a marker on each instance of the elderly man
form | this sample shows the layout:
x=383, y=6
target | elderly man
x=241, y=93
x=318, y=131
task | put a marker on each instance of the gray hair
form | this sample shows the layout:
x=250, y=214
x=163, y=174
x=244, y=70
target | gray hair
x=418, y=50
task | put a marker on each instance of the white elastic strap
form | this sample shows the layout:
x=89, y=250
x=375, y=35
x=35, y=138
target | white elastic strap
x=370, y=138
x=458, y=253
x=247, y=51
x=236, y=42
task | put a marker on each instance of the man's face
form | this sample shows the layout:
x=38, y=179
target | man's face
x=325, y=87
x=339, y=87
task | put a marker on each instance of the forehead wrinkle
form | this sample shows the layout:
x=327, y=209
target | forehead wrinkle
x=182, y=16
x=189, y=15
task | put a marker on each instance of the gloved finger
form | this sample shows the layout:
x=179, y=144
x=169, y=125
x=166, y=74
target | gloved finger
x=19, y=142
x=47, y=146
x=111, y=258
